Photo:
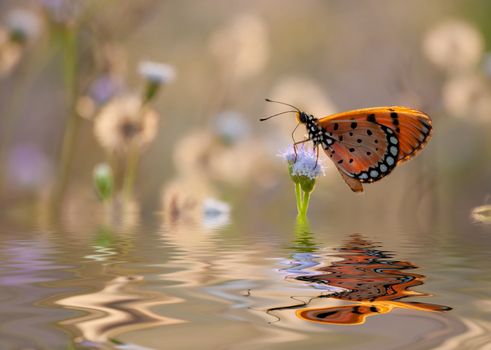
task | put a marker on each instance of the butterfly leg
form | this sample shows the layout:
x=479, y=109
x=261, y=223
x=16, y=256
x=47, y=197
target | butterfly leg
x=295, y=148
x=316, y=150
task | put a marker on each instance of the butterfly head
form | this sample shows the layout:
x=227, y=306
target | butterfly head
x=302, y=117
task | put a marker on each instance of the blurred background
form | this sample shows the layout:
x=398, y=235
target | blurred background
x=167, y=95
x=142, y=199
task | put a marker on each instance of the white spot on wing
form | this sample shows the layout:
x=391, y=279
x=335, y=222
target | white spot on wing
x=393, y=150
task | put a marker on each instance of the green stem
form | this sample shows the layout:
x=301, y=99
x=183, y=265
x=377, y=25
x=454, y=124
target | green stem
x=305, y=203
x=130, y=171
x=72, y=124
x=298, y=195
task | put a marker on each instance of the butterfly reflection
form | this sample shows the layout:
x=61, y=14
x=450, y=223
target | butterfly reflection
x=373, y=282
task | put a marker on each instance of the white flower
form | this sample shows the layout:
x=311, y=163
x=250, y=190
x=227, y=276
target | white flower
x=102, y=170
x=214, y=207
x=231, y=126
x=24, y=24
x=158, y=73
x=63, y=11
x=215, y=213
x=304, y=163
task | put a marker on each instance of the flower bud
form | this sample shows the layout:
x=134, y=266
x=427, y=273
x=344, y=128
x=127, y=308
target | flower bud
x=103, y=181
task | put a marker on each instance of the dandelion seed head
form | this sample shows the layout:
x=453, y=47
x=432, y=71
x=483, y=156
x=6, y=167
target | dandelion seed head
x=469, y=97
x=242, y=46
x=182, y=199
x=454, y=45
x=10, y=53
x=156, y=72
x=305, y=164
x=123, y=123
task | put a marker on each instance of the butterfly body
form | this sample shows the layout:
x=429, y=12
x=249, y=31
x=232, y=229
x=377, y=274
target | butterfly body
x=367, y=144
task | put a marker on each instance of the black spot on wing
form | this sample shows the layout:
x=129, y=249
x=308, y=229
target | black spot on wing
x=395, y=118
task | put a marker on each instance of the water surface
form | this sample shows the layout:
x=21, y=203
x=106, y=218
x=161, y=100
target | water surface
x=187, y=285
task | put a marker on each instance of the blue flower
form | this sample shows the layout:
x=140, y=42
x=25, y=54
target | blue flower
x=306, y=162
x=157, y=73
x=304, y=167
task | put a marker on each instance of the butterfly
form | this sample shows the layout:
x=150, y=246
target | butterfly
x=366, y=144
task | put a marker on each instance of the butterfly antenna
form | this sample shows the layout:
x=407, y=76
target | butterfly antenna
x=283, y=103
x=274, y=115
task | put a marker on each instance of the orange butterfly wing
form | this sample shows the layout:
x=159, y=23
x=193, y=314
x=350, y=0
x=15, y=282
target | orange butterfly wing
x=370, y=142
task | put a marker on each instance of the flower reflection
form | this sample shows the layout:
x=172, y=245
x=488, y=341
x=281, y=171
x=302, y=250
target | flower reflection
x=482, y=214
